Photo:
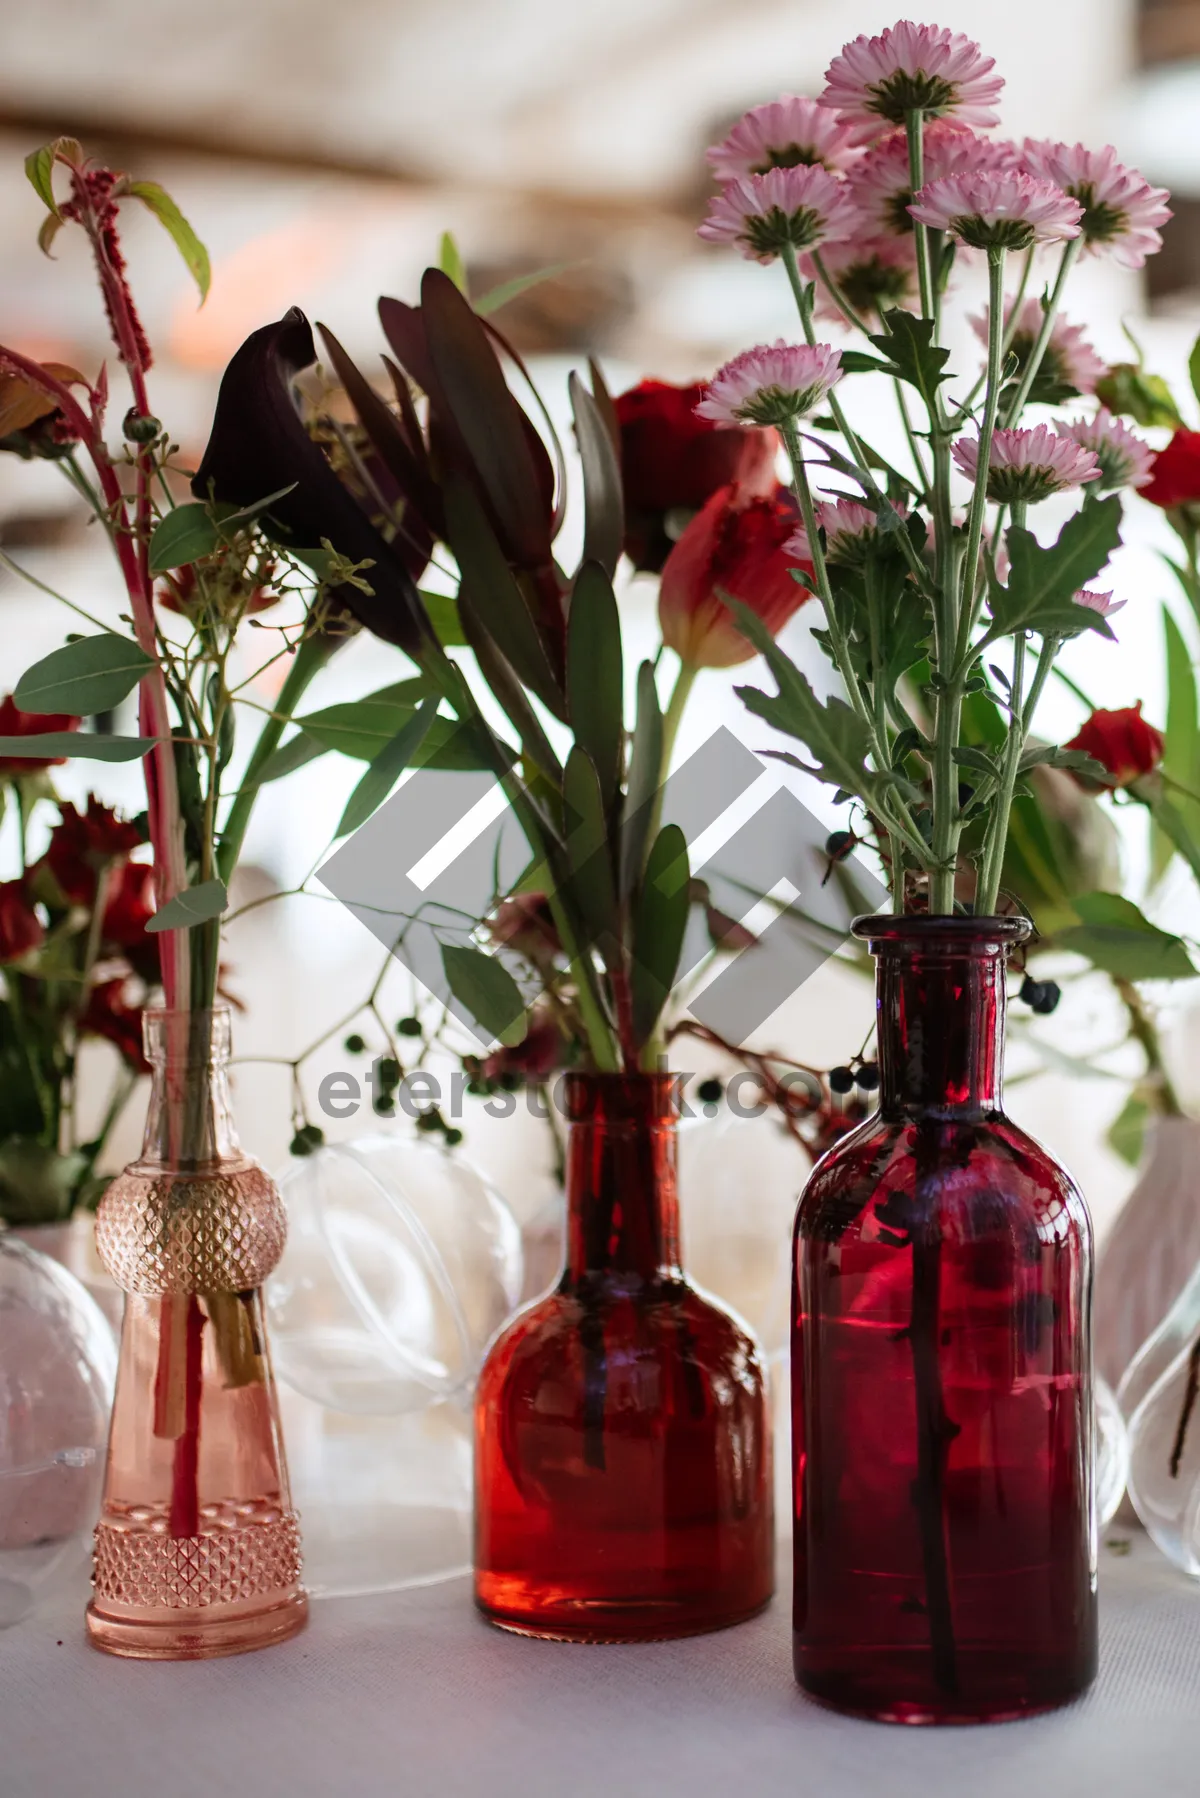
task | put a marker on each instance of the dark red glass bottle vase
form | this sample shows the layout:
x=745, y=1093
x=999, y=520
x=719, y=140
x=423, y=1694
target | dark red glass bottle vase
x=622, y=1446
x=945, y=1559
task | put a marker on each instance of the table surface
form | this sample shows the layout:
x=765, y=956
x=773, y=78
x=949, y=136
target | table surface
x=411, y=1693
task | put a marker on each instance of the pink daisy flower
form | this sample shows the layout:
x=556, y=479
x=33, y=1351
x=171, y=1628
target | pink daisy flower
x=878, y=81
x=762, y=213
x=772, y=384
x=1121, y=211
x=998, y=208
x=1028, y=465
x=783, y=134
x=1104, y=603
x=851, y=531
x=873, y=274
x=879, y=183
x=1069, y=360
x=1126, y=460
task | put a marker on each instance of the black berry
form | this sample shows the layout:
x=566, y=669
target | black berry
x=709, y=1092
x=839, y=844
x=867, y=1076
x=841, y=1080
x=354, y=1044
x=1048, y=996
x=409, y=1027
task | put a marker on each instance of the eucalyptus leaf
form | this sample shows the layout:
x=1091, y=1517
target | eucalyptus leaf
x=488, y=991
x=387, y=768
x=92, y=674
x=78, y=746
x=194, y=905
x=443, y=616
x=297, y=752
x=184, y=535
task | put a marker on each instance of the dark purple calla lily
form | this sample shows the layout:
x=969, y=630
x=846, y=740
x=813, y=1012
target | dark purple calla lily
x=259, y=444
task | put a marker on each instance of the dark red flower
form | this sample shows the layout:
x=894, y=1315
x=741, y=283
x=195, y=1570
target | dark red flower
x=82, y=843
x=542, y=1050
x=672, y=461
x=1122, y=742
x=1175, y=476
x=734, y=545
x=129, y=905
x=524, y=923
x=15, y=723
x=20, y=927
x=108, y=1015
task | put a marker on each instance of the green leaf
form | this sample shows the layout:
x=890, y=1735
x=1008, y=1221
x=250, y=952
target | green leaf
x=1127, y=1133
x=1177, y=816
x=499, y=601
x=184, y=535
x=603, y=499
x=588, y=849
x=595, y=679
x=78, y=746
x=39, y=167
x=296, y=753
x=361, y=727
x=1077, y=760
x=1128, y=390
x=1042, y=582
x=1115, y=937
x=857, y=362
x=386, y=769
x=489, y=992
x=911, y=353
x=49, y=229
x=660, y=922
x=495, y=297
x=195, y=905
x=1174, y=824
x=194, y=254
x=1194, y=368
x=91, y=675
x=451, y=263
x=443, y=616
x=645, y=772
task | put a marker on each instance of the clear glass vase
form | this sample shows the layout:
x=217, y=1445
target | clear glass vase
x=197, y=1549
x=1160, y=1397
x=943, y=1413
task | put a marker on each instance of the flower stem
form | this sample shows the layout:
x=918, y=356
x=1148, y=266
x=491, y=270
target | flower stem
x=1070, y=256
x=804, y=308
x=915, y=127
x=997, y=833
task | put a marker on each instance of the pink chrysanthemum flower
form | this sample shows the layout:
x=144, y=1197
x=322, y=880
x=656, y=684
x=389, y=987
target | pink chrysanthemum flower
x=878, y=81
x=1126, y=460
x=1104, y=603
x=872, y=273
x=771, y=385
x=998, y=208
x=1121, y=211
x=1069, y=359
x=851, y=531
x=879, y=183
x=1027, y=466
x=783, y=134
x=763, y=213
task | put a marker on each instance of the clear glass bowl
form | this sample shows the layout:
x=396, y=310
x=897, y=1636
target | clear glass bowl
x=58, y=1366
x=401, y=1263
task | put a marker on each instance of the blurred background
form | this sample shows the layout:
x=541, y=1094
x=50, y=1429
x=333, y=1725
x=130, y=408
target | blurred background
x=320, y=151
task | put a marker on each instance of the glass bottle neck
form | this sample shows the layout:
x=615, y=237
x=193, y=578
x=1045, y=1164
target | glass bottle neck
x=189, y=1120
x=940, y=1003
x=622, y=1202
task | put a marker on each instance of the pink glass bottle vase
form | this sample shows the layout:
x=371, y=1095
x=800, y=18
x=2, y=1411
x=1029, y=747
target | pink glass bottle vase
x=197, y=1548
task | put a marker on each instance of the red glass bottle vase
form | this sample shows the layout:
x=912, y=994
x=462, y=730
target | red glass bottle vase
x=623, y=1467
x=945, y=1540
x=197, y=1548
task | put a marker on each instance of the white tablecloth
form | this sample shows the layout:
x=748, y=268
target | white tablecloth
x=411, y=1694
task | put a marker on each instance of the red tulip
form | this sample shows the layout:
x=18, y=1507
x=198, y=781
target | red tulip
x=1123, y=742
x=82, y=843
x=15, y=723
x=20, y=927
x=734, y=545
x=672, y=461
x=1175, y=476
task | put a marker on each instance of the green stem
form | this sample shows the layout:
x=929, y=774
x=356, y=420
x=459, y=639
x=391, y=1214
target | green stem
x=311, y=656
x=915, y=128
x=804, y=308
x=1143, y=1031
x=1070, y=256
x=997, y=834
x=978, y=511
x=837, y=296
x=680, y=693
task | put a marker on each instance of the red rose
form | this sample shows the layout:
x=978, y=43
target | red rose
x=1123, y=742
x=20, y=928
x=524, y=923
x=129, y=905
x=15, y=723
x=107, y=1015
x=82, y=843
x=1175, y=476
x=673, y=461
x=734, y=545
